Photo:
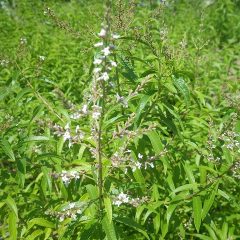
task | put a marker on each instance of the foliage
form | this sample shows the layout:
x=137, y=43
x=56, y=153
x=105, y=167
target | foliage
x=144, y=144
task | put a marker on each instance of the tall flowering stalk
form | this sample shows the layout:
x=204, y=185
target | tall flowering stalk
x=103, y=65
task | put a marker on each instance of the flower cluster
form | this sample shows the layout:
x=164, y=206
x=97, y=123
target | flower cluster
x=67, y=176
x=23, y=41
x=231, y=141
x=73, y=137
x=102, y=66
x=126, y=160
x=236, y=170
x=4, y=62
x=70, y=211
x=79, y=113
x=41, y=58
x=124, y=198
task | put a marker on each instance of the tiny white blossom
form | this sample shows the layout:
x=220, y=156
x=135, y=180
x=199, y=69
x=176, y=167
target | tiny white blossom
x=65, y=179
x=74, y=216
x=79, y=211
x=42, y=58
x=97, y=61
x=117, y=202
x=151, y=165
x=106, y=51
x=96, y=115
x=96, y=70
x=102, y=33
x=71, y=205
x=140, y=156
x=122, y=196
x=105, y=76
x=23, y=41
x=84, y=109
x=138, y=165
x=115, y=36
x=114, y=64
x=61, y=218
x=66, y=135
x=77, y=129
x=99, y=44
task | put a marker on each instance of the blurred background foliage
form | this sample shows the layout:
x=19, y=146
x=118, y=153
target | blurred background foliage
x=191, y=46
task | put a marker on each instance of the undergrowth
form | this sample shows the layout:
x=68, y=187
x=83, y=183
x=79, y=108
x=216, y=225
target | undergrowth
x=119, y=120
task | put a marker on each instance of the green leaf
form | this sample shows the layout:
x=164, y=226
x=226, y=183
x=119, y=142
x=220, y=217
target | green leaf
x=185, y=187
x=7, y=149
x=88, y=233
x=60, y=144
x=12, y=223
x=37, y=138
x=201, y=236
x=157, y=146
x=197, y=210
x=131, y=223
x=182, y=88
x=12, y=205
x=109, y=229
x=211, y=232
x=46, y=176
x=36, y=112
x=189, y=173
x=170, y=211
x=143, y=102
x=209, y=202
x=4, y=92
x=22, y=93
x=40, y=222
x=108, y=208
x=157, y=223
x=35, y=234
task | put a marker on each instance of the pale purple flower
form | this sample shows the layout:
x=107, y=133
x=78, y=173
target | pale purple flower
x=102, y=33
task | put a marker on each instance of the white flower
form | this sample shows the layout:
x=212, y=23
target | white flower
x=96, y=115
x=23, y=41
x=105, y=76
x=75, y=115
x=97, y=61
x=140, y=156
x=119, y=98
x=65, y=179
x=96, y=70
x=84, y=109
x=117, y=202
x=71, y=205
x=66, y=135
x=123, y=197
x=99, y=44
x=79, y=211
x=41, y=58
x=106, y=51
x=74, y=216
x=102, y=33
x=115, y=36
x=61, y=218
x=138, y=165
x=114, y=64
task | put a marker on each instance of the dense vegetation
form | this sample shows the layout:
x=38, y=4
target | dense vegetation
x=119, y=119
